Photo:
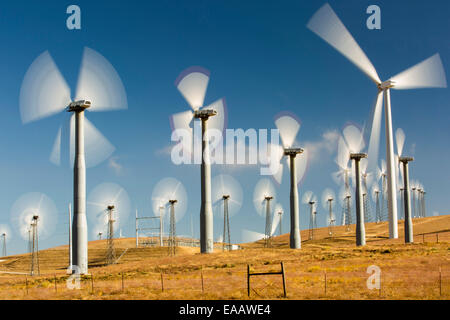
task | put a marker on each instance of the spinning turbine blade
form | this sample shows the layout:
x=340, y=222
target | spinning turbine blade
x=426, y=74
x=5, y=229
x=327, y=194
x=374, y=142
x=192, y=83
x=30, y=204
x=104, y=195
x=44, y=92
x=343, y=155
x=226, y=185
x=400, y=140
x=326, y=24
x=169, y=189
x=288, y=127
x=251, y=236
x=354, y=138
x=55, y=156
x=96, y=147
x=264, y=188
x=99, y=82
x=180, y=123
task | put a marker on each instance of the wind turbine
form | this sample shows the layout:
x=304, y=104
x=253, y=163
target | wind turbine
x=381, y=175
x=44, y=93
x=5, y=234
x=427, y=74
x=288, y=127
x=351, y=143
x=376, y=198
x=279, y=211
x=170, y=194
x=227, y=201
x=263, y=196
x=34, y=216
x=192, y=84
x=109, y=208
x=328, y=197
x=310, y=199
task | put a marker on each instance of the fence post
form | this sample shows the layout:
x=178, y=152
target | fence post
x=437, y=237
x=92, y=282
x=26, y=283
x=284, y=279
x=248, y=280
x=56, y=290
x=201, y=271
x=162, y=282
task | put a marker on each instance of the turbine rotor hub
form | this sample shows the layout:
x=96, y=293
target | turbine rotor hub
x=386, y=85
x=292, y=152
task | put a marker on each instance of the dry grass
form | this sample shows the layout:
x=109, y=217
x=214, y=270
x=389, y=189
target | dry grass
x=408, y=271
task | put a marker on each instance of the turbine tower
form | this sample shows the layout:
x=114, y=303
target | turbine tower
x=408, y=219
x=4, y=244
x=227, y=201
x=192, y=84
x=34, y=246
x=44, y=92
x=110, y=251
x=360, y=228
x=289, y=126
x=427, y=74
x=172, y=233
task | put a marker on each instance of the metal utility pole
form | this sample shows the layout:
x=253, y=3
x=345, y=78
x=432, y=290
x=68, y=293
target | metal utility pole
x=70, y=237
x=137, y=230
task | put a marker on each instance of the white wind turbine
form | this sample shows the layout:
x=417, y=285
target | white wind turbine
x=311, y=200
x=44, y=93
x=192, y=84
x=427, y=74
x=328, y=197
x=297, y=160
x=5, y=237
x=264, y=196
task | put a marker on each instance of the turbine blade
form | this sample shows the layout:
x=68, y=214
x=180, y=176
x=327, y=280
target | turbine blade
x=55, y=156
x=192, y=83
x=44, y=92
x=375, y=128
x=426, y=74
x=288, y=127
x=96, y=147
x=263, y=188
x=354, y=138
x=169, y=189
x=275, y=223
x=222, y=185
x=400, y=140
x=326, y=24
x=343, y=155
x=251, y=236
x=99, y=82
x=180, y=123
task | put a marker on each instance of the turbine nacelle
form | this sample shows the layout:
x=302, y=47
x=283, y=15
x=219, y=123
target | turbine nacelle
x=225, y=196
x=405, y=159
x=292, y=152
x=358, y=156
x=79, y=105
x=386, y=85
x=204, y=114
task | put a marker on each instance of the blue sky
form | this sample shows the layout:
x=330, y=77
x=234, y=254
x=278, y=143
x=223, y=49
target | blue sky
x=262, y=59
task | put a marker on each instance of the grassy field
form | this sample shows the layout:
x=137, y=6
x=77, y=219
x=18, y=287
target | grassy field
x=325, y=268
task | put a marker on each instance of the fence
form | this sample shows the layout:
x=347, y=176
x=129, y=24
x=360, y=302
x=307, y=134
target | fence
x=230, y=282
